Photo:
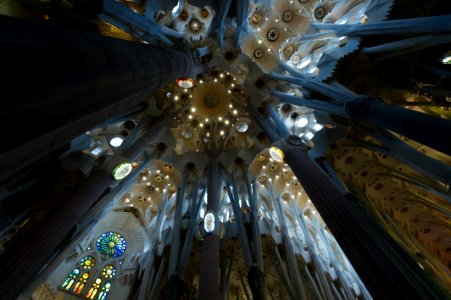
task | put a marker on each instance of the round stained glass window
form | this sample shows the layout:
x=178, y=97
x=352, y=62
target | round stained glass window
x=111, y=244
x=109, y=271
x=88, y=262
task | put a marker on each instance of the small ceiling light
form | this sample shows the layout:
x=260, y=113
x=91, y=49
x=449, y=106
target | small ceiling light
x=116, y=142
x=446, y=60
x=97, y=151
x=122, y=170
x=195, y=25
x=301, y=122
x=309, y=135
x=318, y=127
x=185, y=82
x=276, y=154
x=305, y=63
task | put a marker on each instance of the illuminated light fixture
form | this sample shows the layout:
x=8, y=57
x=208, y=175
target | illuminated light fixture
x=276, y=154
x=97, y=151
x=122, y=170
x=318, y=127
x=309, y=135
x=185, y=82
x=305, y=63
x=209, y=222
x=301, y=122
x=116, y=142
x=446, y=60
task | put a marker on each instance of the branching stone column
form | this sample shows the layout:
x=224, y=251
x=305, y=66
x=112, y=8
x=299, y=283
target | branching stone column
x=424, y=128
x=68, y=81
x=209, y=281
x=385, y=268
x=28, y=252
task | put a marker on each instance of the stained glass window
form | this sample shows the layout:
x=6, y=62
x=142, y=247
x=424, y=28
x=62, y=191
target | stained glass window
x=104, y=291
x=111, y=244
x=109, y=271
x=88, y=262
x=70, y=279
x=81, y=283
x=94, y=289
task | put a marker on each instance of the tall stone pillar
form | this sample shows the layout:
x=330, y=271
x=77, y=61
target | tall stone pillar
x=32, y=248
x=62, y=82
x=384, y=267
x=209, y=281
x=426, y=129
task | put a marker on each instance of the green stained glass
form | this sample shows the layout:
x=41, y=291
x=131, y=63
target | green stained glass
x=104, y=291
x=88, y=262
x=109, y=271
x=67, y=284
x=111, y=244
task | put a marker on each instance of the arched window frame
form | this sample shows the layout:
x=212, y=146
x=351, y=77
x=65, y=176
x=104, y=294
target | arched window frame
x=70, y=279
x=82, y=280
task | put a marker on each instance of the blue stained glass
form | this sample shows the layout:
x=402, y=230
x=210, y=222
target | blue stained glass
x=111, y=244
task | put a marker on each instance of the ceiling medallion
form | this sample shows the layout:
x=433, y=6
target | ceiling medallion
x=211, y=99
x=288, y=51
x=287, y=16
x=258, y=53
x=320, y=12
x=256, y=18
x=204, y=13
x=272, y=34
x=195, y=25
x=158, y=178
x=273, y=166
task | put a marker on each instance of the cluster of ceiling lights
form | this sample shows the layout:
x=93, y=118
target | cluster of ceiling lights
x=215, y=103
